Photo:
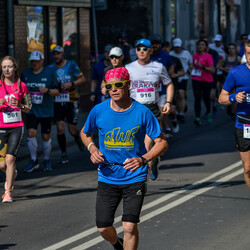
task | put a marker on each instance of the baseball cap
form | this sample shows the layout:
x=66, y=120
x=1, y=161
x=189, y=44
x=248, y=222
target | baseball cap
x=144, y=42
x=116, y=51
x=177, y=42
x=36, y=56
x=155, y=37
x=58, y=48
x=108, y=47
x=218, y=38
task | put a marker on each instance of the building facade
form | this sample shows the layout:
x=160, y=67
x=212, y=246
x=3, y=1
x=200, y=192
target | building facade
x=40, y=25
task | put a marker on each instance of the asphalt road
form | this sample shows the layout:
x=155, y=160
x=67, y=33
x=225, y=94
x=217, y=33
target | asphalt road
x=199, y=201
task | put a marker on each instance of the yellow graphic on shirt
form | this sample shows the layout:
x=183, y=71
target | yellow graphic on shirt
x=117, y=140
x=3, y=152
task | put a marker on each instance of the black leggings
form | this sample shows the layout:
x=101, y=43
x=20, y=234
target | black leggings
x=10, y=141
x=201, y=89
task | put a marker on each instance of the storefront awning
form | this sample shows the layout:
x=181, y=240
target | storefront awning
x=58, y=3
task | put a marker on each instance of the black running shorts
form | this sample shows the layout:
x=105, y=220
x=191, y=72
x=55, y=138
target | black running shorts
x=242, y=144
x=10, y=141
x=32, y=122
x=109, y=197
x=68, y=111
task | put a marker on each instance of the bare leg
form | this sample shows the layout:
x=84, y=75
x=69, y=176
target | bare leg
x=10, y=170
x=245, y=157
x=131, y=236
x=109, y=234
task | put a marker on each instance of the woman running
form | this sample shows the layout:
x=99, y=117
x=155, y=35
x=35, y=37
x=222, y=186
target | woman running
x=14, y=99
x=202, y=80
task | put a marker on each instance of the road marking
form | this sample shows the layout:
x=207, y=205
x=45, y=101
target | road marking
x=150, y=215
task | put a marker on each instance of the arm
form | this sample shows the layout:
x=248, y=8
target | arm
x=170, y=96
x=79, y=81
x=225, y=100
x=180, y=73
x=93, y=90
x=95, y=153
x=52, y=92
x=159, y=147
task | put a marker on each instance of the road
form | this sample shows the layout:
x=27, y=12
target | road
x=199, y=201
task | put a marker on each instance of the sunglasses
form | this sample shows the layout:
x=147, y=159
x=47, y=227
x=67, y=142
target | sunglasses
x=117, y=57
x=142, y=48
x=118, y=85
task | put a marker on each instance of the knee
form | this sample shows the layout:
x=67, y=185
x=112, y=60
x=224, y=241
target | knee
x=247, y=171
x=60, y=128
x=31, y=133
x=10, y=159
x=181, y=94
x=129, y=228
x=103, y=230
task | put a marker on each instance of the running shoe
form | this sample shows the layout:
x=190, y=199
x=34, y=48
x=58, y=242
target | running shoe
x=64, y=158
x=119, y=244
x=47, y=165
x=175, y=126
x=7, y=197
x=5, y=184
x=153, y=175
x=209, y=118
x=197, y=121
x=31, y=166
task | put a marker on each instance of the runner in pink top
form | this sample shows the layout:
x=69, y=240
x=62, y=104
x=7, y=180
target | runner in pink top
x=202, y=80
x=14, y=99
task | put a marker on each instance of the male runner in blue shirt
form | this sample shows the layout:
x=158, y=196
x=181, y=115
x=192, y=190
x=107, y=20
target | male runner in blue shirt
x=237, y=89
x=122, y=124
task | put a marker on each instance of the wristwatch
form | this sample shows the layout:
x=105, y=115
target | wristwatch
x=22, y=106
x=144, y=161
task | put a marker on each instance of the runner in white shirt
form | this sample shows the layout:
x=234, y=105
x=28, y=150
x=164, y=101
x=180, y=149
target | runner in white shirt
x=145, y=76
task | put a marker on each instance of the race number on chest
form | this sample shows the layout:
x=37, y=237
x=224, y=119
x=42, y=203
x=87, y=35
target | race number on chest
x=63, y=97
x=11, y=115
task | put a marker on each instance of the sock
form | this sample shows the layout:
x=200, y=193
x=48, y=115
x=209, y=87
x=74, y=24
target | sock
x=46, y=149
x=119, y=244
x=32, y=145
x=62, y=142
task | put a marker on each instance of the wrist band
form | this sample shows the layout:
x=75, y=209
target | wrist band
x=232, y=98
x=73, y=84
x=168, y=102
x=90, y=145
x=203, y=67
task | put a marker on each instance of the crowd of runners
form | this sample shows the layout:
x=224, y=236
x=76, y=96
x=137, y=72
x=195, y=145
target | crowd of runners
x=140, y=93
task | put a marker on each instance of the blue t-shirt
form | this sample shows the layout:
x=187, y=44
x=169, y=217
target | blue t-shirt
x=121, y=136
x=98, y=76
x=164, y=58
x=46, y=78
x=239, y=79
x=68, y=73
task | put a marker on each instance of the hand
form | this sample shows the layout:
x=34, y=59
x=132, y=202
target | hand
x=66, y=85
x=14, y=101
x=240, y=97
x=133, y=163
x=43, y=89
x=2, y=101
x=96, y=155
x=166, y=109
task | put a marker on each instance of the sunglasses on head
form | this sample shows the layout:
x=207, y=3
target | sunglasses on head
x=142, y=48
x=117, y=57
x=118, y=85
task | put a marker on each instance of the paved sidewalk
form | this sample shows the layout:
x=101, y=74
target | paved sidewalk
x=23, y=152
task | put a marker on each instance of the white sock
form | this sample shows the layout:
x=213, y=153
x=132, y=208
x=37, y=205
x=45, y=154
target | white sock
x=32, y=145
x=46, y=149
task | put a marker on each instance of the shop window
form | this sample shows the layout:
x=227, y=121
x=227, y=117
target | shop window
x=35, y=34
x=70, y=34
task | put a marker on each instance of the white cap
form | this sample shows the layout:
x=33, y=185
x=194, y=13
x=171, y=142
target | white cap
x=177, y=42
x=218, y=38
x=116, y=51
x=36, y=56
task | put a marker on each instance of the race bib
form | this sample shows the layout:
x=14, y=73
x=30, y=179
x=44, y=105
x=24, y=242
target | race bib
x=248, y=97
x=63, y=97
x=246, y=131
x=145, y=95
x=11, y=115
x=196, y=72
x=36, y=97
